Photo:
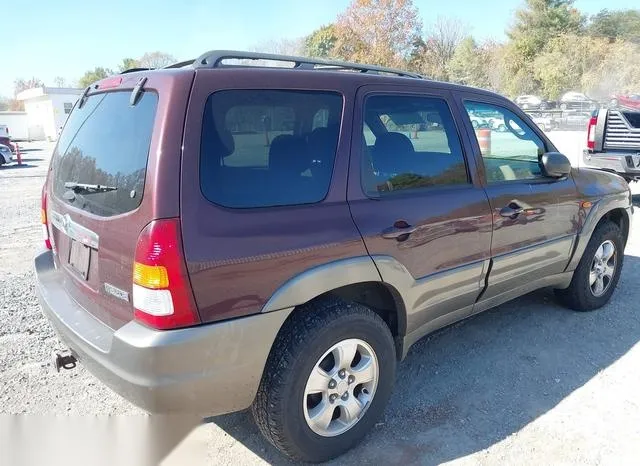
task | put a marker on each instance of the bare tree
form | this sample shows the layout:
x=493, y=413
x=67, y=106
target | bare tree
x=23, y=84
x=433, y=54
x=155, y=60
x=281, y=46
x=59, y=81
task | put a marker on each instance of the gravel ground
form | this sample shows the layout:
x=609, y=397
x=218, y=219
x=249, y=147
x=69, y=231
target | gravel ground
x=526, y=383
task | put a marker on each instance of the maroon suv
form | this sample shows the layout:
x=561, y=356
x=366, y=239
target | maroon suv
x=223, y=236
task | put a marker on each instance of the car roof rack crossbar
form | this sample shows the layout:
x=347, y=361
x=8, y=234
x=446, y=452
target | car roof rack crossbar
x=216, y=58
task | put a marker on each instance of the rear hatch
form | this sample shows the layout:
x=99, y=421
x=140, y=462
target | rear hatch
x=101, y=190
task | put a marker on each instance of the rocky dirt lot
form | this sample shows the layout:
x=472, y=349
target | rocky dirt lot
x=527, y=383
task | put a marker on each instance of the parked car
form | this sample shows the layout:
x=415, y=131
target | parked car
x=545, y=123
x=196, y=270
x=577, y=101
x=573, y=121
x=5, y=155
x=4, y=131
x=6, y=141
x=626, y=101
x=532, y=102
x=479, y=122
x=613, y=142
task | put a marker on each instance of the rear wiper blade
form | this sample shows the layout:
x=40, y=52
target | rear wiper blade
x=82, y=188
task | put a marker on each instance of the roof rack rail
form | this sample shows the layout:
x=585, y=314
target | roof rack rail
x=215, y=58
x=180, y=64
x=133, y=70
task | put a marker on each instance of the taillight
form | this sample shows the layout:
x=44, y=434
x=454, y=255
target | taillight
x=162, y=296
x=43, y=218
x=591, y=133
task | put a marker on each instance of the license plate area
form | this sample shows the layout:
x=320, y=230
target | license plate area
x=79, y=258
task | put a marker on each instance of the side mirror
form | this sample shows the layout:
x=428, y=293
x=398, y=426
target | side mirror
x=556, y=165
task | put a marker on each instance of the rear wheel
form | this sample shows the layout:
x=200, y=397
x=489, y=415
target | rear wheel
x=598, y=272
x=328, y=378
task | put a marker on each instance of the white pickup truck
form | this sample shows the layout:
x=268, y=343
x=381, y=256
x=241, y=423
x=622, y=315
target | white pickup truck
x=613, y=142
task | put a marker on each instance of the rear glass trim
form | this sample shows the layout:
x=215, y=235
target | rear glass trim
x=106, y=142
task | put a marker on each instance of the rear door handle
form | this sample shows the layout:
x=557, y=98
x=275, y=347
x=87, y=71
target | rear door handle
x=511, y=211
x=399, y=230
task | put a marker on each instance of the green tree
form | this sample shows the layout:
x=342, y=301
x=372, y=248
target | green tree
x=468, y=64
x=565, y=60
x=127, y=64
x=94, y=75
x=321, y=42
x=619, y=24
x=380, y=32
x=617, y=71
x=535, y=25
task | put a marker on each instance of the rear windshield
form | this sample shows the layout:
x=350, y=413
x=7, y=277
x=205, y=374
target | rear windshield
x=264, y=148
x=105, y=145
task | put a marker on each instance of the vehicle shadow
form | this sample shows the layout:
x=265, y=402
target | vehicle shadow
x=16, y=166
x=32, y=159
x=635, y=198
x=471, y=385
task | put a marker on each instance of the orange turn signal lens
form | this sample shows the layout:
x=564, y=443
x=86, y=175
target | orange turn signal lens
x=43, y=216
x=150, y=276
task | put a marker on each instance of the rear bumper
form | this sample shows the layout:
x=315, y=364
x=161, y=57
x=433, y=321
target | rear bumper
x=209, y=370
x=619, y=162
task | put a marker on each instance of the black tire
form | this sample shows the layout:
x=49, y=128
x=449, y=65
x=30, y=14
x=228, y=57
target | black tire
x=578, y=296
x=303, y=339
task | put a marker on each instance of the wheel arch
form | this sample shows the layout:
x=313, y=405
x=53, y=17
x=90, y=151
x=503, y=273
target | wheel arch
x=354, y=279
x=616, y=209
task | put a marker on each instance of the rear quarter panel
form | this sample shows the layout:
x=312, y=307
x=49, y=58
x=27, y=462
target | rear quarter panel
x=237, y=258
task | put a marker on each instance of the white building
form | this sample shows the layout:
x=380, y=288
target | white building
x=47, y=109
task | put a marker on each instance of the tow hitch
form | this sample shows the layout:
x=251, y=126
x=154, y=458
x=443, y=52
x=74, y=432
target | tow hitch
x=65, y=359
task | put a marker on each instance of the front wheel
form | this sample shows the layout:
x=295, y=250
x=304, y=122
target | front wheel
x=327, y=380
x=598, y=272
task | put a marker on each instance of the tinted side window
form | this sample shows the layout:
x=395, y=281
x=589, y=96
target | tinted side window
x=263, y=148
x=509, y=147
x=411, y=143
x=106, y=143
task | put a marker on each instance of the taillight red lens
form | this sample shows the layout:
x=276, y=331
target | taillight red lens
x=591, y=133
x=162, y=295
x=43, y=218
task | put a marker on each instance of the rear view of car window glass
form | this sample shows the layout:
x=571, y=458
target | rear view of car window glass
x=264, y=148
x=105, y=142
x=415, y=146
x=510, y=149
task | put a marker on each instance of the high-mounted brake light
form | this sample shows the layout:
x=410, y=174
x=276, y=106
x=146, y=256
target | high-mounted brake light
x=43, y=218
x=162, y=296
x=591, y=133
x=110, y=82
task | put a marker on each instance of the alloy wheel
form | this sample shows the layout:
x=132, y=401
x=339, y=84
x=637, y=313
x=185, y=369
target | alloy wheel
x=340, y=387
x=603, y=268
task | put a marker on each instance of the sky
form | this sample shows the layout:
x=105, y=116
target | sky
x=49, y=38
